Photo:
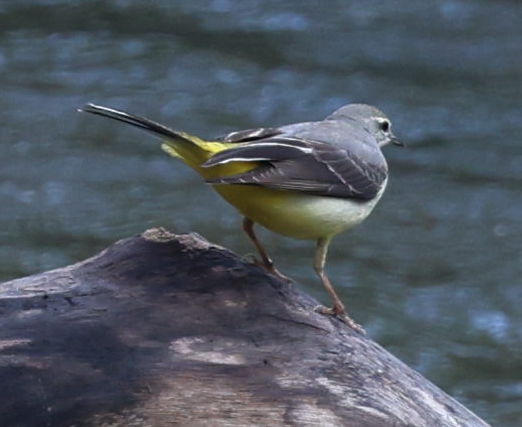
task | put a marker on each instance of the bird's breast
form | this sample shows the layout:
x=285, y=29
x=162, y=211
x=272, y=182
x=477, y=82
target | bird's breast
x=297, y=215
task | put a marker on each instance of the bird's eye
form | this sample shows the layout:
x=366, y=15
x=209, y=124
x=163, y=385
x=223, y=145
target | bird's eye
x=385, y=126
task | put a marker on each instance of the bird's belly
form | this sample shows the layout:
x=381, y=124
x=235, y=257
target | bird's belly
x=301, y=216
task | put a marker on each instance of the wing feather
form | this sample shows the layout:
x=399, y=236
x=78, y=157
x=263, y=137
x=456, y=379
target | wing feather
x=250, y=135
x=273, y=149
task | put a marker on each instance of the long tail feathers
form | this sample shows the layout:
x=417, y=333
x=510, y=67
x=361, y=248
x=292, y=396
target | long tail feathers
x=141, y=122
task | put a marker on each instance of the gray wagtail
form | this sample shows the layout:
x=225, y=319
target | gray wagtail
x=310, y=180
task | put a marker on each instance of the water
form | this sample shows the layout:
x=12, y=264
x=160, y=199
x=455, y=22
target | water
x=434, y=274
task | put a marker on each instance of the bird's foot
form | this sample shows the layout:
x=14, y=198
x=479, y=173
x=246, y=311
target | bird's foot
x=273, y=271
x=342, y=316
x=269, y=266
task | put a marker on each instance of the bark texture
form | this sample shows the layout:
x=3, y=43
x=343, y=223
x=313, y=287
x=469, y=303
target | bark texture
x=169, y=330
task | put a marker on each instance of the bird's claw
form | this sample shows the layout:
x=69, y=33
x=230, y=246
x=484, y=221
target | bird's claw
x=269, y=267
x=342, y=316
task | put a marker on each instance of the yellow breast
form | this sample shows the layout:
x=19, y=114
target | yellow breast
x=301, y=216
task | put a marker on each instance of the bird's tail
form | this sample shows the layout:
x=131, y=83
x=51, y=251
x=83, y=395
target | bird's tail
x=191, y=149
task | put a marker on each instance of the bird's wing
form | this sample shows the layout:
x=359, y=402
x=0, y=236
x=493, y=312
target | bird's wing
x=250, y=134
x=298, y=164
x=270, y=149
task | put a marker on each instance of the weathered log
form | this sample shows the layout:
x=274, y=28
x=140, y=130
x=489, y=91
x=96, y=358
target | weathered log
x=170, y=330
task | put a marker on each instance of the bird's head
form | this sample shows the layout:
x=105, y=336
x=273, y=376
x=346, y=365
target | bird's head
x=370, y=118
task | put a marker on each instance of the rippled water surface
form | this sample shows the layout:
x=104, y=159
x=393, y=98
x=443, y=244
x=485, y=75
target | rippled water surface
x=434, y=274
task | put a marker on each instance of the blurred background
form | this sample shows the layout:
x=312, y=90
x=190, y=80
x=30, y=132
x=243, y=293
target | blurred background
x=434, y=274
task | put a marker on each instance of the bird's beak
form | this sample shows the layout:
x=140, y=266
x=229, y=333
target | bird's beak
x=395, y=141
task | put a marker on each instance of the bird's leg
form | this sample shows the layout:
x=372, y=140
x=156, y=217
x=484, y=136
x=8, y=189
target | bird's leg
x=338, y=306
x=266, y=262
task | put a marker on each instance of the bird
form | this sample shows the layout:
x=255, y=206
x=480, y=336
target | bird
x=311, y=180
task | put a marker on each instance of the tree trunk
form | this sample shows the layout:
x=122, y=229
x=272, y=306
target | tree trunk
x=170, y=330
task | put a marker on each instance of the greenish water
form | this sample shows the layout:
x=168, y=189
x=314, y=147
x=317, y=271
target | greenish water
x=434, y=274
